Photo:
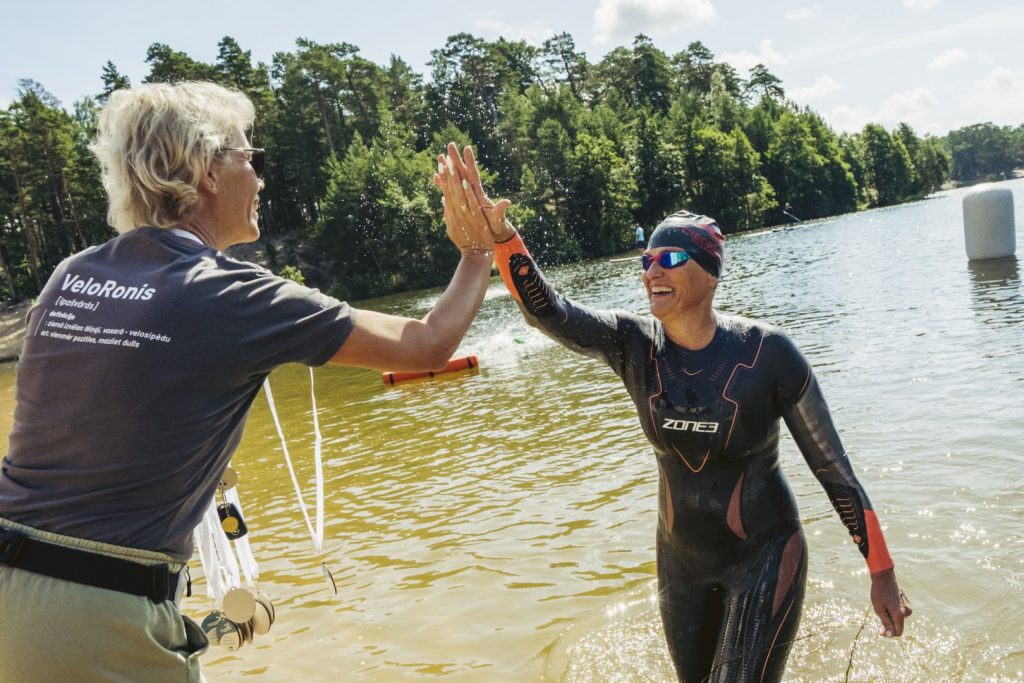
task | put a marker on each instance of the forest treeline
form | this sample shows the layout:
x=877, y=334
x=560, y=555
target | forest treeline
x=585, y=150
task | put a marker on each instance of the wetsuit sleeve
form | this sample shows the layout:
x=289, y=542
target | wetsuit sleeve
x=592, y=332
x=809, y=421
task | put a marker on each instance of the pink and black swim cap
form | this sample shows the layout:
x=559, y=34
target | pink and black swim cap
x=698, y=235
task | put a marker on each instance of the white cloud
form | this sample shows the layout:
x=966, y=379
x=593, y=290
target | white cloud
x=533, y=35
x=918, y=108
x=1001, y=80
x=999, y=98
x=908, y=106
x=948, y=58
x=622, y=19
x=921, y=4
x=825, y=85
x=767, y=55
x=973, y=30
x=848, y=119
x=803, y=12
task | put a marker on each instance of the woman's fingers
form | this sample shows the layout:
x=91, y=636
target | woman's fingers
x=501, y=229
x=887, y=626
x=473, y=176
x=470, y=215
x=892, y=610
x=905, y=604
x=498, y=212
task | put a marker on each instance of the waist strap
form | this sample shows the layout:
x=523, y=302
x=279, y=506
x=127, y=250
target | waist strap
x=81, y=566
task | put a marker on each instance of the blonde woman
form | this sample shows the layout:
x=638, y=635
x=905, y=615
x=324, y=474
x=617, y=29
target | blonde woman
x=142, y=358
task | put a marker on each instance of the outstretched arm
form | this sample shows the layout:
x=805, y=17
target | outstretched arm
x=585, y=330
x=810, y=423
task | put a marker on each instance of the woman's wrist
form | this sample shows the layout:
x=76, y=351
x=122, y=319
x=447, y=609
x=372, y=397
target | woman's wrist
x=884, y=574
x=508, y=233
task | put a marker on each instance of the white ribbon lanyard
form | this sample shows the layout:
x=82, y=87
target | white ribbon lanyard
x=317, y=534
x=222, y=558
x=225, y=562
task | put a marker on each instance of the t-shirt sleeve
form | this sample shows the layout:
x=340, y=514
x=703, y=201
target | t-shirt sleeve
x=273, y=321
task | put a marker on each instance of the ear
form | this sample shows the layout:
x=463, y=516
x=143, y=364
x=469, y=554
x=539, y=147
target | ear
x=208, y=182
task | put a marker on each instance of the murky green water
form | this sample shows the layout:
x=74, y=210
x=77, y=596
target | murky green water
x=498, y=525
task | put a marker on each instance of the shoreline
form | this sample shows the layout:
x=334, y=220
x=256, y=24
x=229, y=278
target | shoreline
x=12, y=330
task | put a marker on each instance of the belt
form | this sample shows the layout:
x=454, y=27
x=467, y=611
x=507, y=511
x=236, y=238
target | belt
x=81, y=566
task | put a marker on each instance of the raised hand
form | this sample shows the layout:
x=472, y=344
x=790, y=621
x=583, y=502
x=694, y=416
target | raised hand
x=467, y=227
x=501, y=229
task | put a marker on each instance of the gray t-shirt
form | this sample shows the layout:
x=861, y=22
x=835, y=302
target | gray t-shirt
x=141, y=360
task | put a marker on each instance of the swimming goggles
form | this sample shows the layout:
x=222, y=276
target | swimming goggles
x=666, y=259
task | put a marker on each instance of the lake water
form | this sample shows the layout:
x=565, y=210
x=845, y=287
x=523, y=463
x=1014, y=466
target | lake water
x=498, y=525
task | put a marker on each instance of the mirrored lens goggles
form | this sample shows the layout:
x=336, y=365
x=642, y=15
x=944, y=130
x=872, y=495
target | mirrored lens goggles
x=666, y=259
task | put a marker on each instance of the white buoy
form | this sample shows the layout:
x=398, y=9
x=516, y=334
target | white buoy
x=989, y=228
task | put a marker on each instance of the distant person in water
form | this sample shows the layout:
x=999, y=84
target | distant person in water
x=710, y=390
x=640, y=239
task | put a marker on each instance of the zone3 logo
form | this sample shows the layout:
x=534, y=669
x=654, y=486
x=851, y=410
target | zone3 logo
x=690, y=426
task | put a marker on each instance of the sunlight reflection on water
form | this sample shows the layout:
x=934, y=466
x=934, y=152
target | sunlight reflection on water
x=498, y=524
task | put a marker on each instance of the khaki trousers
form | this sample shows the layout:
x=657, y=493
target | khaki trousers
x=56, y=630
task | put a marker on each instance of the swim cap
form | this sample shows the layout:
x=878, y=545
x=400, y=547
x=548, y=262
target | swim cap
x=698, y=235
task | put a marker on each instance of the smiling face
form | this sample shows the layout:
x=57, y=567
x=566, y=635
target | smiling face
x=679, y=291
x=234, y=197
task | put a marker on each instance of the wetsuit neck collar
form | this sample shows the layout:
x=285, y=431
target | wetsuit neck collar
x=701, y=355
x=714, y=321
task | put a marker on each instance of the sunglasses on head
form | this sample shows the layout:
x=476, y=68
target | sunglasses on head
x=666, y=259
x=257, y=155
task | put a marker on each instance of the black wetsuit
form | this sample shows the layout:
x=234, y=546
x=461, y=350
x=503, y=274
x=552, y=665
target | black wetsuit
x=732, y=560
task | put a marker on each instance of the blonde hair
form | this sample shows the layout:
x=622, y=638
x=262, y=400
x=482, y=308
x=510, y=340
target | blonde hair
x=157, y=141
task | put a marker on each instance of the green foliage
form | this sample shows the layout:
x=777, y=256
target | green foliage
x=585, y=151
x=930, y=160
x=804, y=164
x=598, y=207
x=658, y=167
x=763, y=83
x=983, y=151
x=889, y=172
x=723, y=179
x=170, y=66
x=561, y=64
x=292, y=273
x=51, y=202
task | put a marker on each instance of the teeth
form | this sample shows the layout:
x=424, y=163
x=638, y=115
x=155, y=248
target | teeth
x=660, y=290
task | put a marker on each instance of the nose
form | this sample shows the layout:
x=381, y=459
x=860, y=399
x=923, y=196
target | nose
x=263, y=184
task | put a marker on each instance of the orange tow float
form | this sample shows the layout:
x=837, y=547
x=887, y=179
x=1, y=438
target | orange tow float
x=454, y=365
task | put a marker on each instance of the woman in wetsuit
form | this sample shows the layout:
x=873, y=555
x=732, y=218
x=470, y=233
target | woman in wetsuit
x=710, y=389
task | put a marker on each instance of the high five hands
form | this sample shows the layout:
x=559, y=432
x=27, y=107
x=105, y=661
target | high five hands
x=458, y=178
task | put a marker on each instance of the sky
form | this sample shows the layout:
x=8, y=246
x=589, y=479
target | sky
x=935, y=64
